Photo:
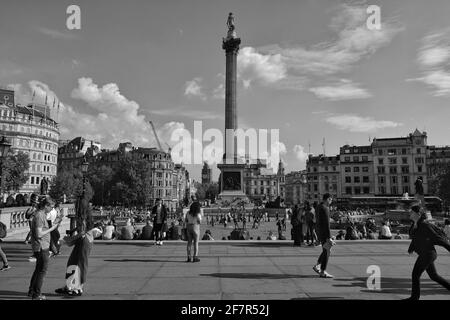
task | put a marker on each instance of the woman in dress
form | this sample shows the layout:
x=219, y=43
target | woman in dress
x=193, y=219
x=81, y=240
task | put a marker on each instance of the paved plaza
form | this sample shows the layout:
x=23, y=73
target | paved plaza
x=244, y=270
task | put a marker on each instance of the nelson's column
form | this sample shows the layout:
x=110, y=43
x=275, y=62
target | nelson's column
x=232, y=168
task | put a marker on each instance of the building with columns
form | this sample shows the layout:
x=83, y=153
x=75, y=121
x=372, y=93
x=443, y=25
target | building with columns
x=295, y=186
x=323, y=175
x=31, y=130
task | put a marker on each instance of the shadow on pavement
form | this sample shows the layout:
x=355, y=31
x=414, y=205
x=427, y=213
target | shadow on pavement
x=257, y=276
x=288, y=244
x=318, y=298
x=20, y=295
x=395, y=286
x=142, y=260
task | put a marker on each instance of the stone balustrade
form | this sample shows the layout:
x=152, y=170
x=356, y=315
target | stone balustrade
x=15, y=221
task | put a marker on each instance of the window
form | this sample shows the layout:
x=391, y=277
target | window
x=394, y=180
x=315, y=187
x=365, y=179
x=405, y=179
x=356, y=169
x=348, y=179
x=392, y=160
x=419, y=150
x=404, y=151
x=348, y=169
x=326, y=168
x=394, y=190
x=380, y=152
x=356, y=159
x=381, y=169
x=347, y=159
x=334, y=168
x=380, y=161
x=405, y=169
x=381, y=180
x=382, y=190
x=348, y=190
x=37, y=180
x=357, y=190
x=365, y=158
x=419, y=160
x=32, y=180
x=357, y=179
x=366, y=190
x=365, y=169
x=419, y=168
x=392, y=170
x=405, y=189
x=315, y=169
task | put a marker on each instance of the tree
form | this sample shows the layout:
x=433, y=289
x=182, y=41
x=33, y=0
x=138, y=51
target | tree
x=13, y=174
x=69, y=182
x=443, y=185
x=100, y=178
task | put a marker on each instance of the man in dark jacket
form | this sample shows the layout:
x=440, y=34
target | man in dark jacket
x=324, y=235
x=424, y=237
x=159, y=213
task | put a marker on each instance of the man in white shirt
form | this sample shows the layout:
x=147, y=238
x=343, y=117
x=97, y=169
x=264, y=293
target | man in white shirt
x=385, y=232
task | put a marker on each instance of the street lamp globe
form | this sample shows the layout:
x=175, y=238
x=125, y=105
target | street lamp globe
x=4, y=147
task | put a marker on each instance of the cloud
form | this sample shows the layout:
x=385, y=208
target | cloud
x=55, y=34
x=295, y=67
x=354, y=123
x=300, y=153
x=434, y=61
x=254, y=66
x=344, y=90
x=219, y=92
x=193, y=88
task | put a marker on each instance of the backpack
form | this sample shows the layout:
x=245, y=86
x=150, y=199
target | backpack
x=2, y=230
x=440, y=234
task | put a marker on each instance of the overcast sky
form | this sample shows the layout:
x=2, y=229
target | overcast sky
x=310, y=68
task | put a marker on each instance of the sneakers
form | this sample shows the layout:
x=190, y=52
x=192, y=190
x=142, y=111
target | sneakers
x=316, y=268
x=189, y=259
x=40, y=297
x=325, y=274
x=6, y=267
x=196, y=259
x=62, y=290
x=32, y=259
x=160, y=243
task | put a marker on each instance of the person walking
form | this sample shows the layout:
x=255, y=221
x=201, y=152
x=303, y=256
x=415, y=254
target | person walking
x=40, y=243
x=424, y=237
x=193, y=220
x=159, y=213
x=324, y=235
x=6, y=266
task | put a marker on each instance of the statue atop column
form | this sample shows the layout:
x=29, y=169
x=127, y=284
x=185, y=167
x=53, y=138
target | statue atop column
x=231, y=27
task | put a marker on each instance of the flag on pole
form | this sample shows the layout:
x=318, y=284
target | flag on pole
x=54, y=100
x=46, y=100
x=34, y=95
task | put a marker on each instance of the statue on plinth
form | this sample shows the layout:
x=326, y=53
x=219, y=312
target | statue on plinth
x=231, y=27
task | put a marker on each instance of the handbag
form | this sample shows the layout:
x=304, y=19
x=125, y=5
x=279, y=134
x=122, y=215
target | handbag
x=184, y=234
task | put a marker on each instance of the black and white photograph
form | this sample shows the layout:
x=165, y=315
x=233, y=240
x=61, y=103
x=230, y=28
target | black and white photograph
x=225, y=155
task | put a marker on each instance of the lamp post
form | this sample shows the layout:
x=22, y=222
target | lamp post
x=4, y=149
x=84, y=169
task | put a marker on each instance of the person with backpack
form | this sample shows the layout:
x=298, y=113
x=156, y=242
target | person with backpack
x=424, y=237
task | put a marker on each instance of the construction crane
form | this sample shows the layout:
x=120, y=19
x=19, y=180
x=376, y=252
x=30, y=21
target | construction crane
x=156, y=136
x=169, y=147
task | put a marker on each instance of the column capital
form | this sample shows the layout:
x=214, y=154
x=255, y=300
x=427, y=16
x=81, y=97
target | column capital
x=231, y=45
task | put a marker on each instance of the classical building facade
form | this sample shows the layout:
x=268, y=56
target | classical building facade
x=323, y=176
x=398, y=162
x=295, y=186
x=72, y=152
x=356, y=166
x=261, y=183
x=30, y=130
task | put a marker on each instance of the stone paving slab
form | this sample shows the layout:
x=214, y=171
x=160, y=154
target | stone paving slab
x=228, y=270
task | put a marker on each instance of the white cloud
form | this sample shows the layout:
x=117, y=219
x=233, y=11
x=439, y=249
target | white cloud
x=254, y=66
x=300, y=153
x=193, y=88
x=293, y=67
x=344, y=90
x=434, y=61
x=55, y=34
x=219, y=92
x=354, y=123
